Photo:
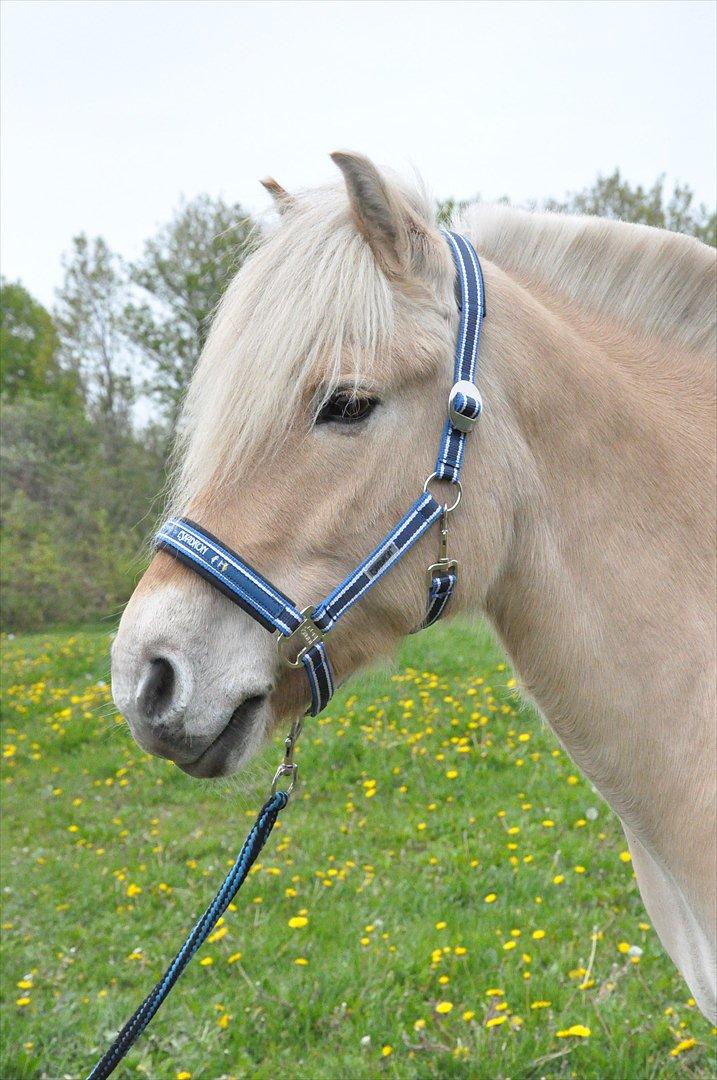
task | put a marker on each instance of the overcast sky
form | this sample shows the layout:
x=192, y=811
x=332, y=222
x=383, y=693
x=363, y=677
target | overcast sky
x=111, y=111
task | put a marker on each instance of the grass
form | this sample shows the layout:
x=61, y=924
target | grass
x=442, y=848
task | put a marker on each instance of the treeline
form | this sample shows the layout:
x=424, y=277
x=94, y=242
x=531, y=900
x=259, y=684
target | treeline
x=91, y=393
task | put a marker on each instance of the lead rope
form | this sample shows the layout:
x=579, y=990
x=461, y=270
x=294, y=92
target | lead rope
x=253, y=844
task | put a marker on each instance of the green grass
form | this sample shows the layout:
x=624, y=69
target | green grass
x=424, y=793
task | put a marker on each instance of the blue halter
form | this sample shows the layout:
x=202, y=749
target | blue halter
x=301, y=634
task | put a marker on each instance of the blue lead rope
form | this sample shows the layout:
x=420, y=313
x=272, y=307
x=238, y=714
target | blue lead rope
x=232, y=883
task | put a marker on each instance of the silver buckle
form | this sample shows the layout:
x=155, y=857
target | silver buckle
x=458, y=421
x=306, y=635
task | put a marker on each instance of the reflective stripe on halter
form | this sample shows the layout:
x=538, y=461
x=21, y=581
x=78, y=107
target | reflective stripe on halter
x=303, y=632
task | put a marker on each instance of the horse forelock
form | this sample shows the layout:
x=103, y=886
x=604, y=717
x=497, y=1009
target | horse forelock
x=309, y=310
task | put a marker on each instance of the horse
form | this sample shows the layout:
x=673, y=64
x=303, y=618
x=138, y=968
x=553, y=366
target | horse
x=586, y=532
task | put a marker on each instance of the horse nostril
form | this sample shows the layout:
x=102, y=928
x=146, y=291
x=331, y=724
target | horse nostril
x=156, y=691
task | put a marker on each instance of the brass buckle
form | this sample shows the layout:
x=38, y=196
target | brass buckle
x=306, y=635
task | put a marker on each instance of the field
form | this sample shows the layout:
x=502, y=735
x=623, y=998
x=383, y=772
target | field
x=445, y=895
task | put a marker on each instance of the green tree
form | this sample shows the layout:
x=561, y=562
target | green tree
x=614, y=197
x=29, y=348
x=181, y=276
x=91, y=325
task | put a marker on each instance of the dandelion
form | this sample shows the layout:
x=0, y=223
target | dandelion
x=386, y=1050
x=625, y=856
x=490, y=898
x=223, y=1021
x=296, y=922
x=206, y=961
x=558, y=879
x=444, y=1007
x=184, y=1075
x=301, y=961
x=441, y=925
x=495, y=1021
x=22, y=1001
x=540, y=1004
x=233, y=958
x=133, y=890
x=579, y=1031
x=685, y=1044
x=419, y=1025
x=538, y=934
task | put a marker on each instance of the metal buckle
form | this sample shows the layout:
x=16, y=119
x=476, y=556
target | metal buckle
x=288, y=766
x=458, y=420
x=306, y=635
x=444, y=564
x=456, y=484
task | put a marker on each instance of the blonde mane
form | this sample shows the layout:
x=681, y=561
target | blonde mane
x=662, y=282
x=313, y=293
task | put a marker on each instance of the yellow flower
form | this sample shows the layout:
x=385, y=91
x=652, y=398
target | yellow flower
x=623, y=947
x=538, y=934
x=301, y=961
x=686, y=1044
x=540, y=1004
x=460, y=950
x=24, y=984
x=625, y=856
x=386, y=1051
x=508, y=945
x=444, y=1007
x=297, y=921
x=490, y=898
x=234, y=957
x=494, y=992
x=558, y=879
x=418, y=1025
x=218, y=934
x=133, y=890
x=468, y=1014
x=206, y=961
x=579, y=869
x=547, y=823
x=444, y=980
x=441, y=925
x=578, y=1030
x=451, y=774
x=21, y=1001
x=495, y=1021
x=184, y=1075
x=223, y=1020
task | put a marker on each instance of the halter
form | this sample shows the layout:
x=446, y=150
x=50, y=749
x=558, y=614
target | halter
x=301, y=635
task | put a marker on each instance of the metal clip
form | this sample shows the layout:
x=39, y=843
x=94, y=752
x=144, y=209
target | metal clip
x=288, y=767
x=306, y=634
x=444, y=564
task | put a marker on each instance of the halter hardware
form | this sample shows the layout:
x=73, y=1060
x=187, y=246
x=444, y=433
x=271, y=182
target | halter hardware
x=306, y=635
x=444, y=565
x=464, y=405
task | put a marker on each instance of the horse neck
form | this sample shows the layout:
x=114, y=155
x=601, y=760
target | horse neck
x=605, y=624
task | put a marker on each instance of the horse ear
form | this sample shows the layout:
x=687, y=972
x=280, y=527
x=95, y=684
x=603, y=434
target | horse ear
x=395, y=233
x=282, y=199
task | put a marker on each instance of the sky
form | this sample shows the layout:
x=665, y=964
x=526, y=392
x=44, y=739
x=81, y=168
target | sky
x=111, y=112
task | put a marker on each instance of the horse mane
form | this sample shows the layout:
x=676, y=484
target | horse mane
x=660, y=282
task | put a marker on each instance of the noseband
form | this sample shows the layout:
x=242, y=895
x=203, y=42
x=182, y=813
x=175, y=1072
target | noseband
x=301, y=635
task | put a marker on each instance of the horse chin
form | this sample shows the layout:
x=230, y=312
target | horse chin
x=237, y=742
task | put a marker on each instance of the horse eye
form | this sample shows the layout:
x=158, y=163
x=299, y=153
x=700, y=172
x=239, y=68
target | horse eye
x=346, y=407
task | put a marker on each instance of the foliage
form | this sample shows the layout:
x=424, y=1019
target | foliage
x=182, y=275
x=469, y=900
x=29, y=344
x=72, y=519
x=90, y=321
x=613, y=197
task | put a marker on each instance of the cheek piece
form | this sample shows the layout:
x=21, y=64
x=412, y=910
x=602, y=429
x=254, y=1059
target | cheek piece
x=301, y=634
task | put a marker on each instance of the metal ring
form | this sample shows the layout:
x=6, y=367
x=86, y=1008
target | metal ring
x=456, y=483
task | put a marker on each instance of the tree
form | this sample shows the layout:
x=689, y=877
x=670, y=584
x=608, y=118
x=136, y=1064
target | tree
x=614, y=197
x=183, y=273
x=29, y=347
x=91, y=324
